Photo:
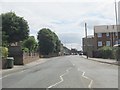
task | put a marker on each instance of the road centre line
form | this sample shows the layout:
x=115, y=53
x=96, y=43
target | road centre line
x=61, y=78
x=83, y=75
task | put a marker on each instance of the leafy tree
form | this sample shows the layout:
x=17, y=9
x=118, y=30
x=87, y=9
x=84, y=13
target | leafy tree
x=48, y=42
x=4, y=39
x=14, y=28
x=30, y=43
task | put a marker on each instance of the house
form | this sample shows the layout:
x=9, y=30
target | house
x=106, y=35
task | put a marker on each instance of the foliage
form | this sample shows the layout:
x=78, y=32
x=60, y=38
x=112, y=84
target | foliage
x=14, y=28
x=106, y=52
x=48, y=42
x=30, y=44
x=4, y=52
x=4, y=39
x=117, y=53
x=25, y=49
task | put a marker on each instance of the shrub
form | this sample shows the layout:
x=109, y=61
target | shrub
x=25, y=50
x=106, y=52
x=117, y=53
x=4, y=52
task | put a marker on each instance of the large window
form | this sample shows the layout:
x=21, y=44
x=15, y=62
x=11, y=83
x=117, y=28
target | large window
x=107, y=43
x=99, y=43
x=99, y=35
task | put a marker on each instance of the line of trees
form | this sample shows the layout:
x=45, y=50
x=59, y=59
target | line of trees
x=16, y=29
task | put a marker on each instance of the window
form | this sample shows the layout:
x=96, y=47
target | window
x=107, y=43
x=99, y=34
x=99, y=43
x=107, y=34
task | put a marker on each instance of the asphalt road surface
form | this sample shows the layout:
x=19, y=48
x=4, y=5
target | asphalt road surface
x=65, y=72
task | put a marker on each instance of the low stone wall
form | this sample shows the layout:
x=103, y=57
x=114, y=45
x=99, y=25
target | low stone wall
x=27, y=59
x=21, y=58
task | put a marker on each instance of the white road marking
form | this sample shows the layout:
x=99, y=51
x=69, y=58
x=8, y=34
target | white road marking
x=61, y=78
x=83, y=75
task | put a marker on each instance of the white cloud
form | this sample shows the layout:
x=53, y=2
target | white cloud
x=66, y=18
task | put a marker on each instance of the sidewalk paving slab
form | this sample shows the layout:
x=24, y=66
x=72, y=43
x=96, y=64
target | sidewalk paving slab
x=108, y=61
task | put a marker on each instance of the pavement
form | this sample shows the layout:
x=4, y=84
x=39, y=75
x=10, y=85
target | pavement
x=108, y=61
x=63, y=72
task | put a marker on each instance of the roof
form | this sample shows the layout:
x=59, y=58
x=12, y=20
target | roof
x=106, y=28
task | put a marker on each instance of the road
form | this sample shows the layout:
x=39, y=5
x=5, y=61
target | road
x=65, y=72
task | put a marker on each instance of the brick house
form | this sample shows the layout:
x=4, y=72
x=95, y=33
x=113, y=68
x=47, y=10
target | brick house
x=106, y=35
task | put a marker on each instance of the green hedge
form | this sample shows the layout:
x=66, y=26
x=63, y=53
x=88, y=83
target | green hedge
x=106, y=52
x=117, y=53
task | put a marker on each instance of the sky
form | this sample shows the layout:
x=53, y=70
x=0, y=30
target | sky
x=65, y=17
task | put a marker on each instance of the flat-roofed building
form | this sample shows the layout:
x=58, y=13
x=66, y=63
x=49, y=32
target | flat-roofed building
x=106, y=35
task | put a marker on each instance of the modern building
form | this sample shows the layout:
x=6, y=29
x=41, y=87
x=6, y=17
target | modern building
x=88, y=45
x=106, y=35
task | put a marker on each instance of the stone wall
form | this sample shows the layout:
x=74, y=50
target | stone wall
x=21, y=58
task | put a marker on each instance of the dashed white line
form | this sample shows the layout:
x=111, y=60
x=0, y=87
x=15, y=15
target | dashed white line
x=61, y=78
x=83, y=75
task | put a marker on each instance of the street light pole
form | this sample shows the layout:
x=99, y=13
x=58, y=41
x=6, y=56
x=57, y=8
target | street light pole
x=86, y=39
x=116, y=20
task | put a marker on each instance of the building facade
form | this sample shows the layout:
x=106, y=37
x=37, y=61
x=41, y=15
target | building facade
x=88, y=45
x=106, y=35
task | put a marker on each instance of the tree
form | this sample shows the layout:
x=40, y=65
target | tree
x=48, y=42
x=30, y=43
x=15, y=28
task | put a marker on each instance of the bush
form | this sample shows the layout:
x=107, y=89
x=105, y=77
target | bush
x=106, y=52
x=117, y=53
x=25, y=50
x=4, y=52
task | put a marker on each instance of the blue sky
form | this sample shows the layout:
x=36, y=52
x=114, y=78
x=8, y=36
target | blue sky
x=65, y=17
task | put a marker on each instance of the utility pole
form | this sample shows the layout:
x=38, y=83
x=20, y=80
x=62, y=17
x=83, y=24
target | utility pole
x=116, y=12
x=86, y=39
x=116, y=20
